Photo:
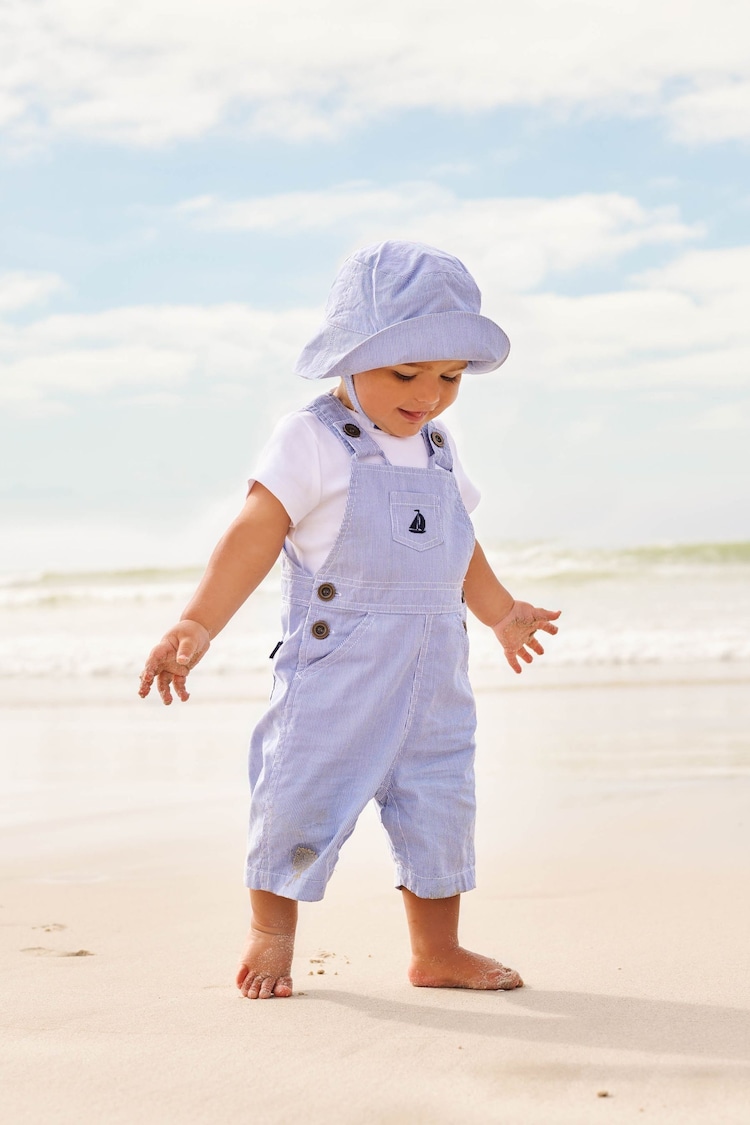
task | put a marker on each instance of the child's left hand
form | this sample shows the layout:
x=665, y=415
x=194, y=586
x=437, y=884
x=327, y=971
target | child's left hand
x=516, y=632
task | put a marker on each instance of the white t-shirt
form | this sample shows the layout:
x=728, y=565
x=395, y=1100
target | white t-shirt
x=307, y=468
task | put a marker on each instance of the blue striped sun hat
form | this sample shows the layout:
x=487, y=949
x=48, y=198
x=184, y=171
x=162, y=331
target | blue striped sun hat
x=402, y=302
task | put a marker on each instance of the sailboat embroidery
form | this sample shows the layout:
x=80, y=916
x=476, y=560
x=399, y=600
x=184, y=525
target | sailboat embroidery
x=418, y=525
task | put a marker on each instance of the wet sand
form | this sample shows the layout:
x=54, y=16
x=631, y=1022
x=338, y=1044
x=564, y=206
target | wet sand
x=613, y=866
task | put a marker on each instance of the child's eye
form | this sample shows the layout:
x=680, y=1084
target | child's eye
x=450, y=378
x=404, y=378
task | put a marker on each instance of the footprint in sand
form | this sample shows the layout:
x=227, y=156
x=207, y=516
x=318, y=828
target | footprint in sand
x=43, y=951
x=321, y=959
x=51, y=927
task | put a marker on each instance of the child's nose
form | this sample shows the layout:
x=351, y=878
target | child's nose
x=426, y=399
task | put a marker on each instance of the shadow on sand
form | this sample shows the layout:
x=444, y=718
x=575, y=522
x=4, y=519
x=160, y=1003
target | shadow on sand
x=659, y=1027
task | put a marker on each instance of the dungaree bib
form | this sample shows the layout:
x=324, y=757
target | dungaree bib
x=371, y=695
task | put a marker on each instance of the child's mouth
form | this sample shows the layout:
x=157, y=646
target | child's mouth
x=413, y=415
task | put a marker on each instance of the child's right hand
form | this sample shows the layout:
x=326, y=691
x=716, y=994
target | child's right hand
x=169, y=662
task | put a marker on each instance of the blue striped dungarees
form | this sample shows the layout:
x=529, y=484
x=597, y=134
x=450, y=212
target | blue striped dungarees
x=371, y=696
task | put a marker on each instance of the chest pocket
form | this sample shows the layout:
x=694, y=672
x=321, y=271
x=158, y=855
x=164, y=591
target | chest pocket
x=416, y=520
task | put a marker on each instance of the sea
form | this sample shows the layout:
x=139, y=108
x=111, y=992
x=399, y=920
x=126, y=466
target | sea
x=649, y=607
x=645, y=685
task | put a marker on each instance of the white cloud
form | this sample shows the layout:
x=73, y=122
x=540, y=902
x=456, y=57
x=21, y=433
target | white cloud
x=291, y=212
x=90, y=371
x=724, y=416
x=512, y=244
x=159, y=347
x=719, y=112
x=18, y=290
x=682, y=325
x=143, y=74
x=704, y=273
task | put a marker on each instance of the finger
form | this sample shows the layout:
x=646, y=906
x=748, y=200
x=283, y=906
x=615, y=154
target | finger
x=546, y=627
x=178, y=683
x=533, y=643
x=525, y=656
x=160, y=654
x=549, y=614
x=185, y=652
x=162, y=682
x=511, y=658
x=154, y=665
x=146, y=681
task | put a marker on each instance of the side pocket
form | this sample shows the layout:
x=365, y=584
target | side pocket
x=345, y=631
x=416, y=520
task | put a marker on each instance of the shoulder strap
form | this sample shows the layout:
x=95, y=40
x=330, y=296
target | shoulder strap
x=343, y=423
x=438, y=446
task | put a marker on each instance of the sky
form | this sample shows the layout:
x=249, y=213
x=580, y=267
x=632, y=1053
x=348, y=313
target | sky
x=180, y=183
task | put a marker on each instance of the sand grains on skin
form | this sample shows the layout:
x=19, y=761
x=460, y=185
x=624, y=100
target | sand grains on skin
x=463, y=969
x=265, y=966
x=265, y=969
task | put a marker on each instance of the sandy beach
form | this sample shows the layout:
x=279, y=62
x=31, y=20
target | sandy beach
x=614, y=856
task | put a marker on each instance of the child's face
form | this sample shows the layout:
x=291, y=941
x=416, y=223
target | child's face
x=399, y=400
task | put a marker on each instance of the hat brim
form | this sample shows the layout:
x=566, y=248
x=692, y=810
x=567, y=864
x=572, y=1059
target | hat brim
x=422, y=339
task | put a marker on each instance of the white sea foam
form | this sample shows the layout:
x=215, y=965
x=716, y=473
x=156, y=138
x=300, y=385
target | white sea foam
x=646, y=606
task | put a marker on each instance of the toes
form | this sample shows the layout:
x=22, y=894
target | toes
x=241, y=977
x=250, y=985
x=508, y=979
x=255, y=986
x=267, y=986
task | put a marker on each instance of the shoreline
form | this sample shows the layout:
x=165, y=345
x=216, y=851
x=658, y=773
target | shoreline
x=209, y=685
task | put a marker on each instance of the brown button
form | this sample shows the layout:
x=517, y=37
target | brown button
x=437, y=439
x=326, y=592
x=352, y=430
x=320, y=630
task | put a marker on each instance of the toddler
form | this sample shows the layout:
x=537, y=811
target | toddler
x=365, y=498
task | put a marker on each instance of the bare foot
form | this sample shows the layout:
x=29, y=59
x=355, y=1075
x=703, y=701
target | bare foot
x=265, y=965
x=460, y=968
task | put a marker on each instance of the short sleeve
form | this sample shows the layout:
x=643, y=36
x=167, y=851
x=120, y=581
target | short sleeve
x=470, y=494
x=289, y=465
